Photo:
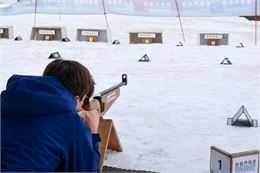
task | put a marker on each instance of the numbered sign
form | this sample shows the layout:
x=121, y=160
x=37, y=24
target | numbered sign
x=219, y=161
x=242, y=162
x=146, y=35
x=213, y=36
x=89, y=33
x=46, y=32
x=214, y=39
x=94, y=35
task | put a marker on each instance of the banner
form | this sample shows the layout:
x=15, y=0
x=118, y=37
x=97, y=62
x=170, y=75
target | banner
x=137, y=7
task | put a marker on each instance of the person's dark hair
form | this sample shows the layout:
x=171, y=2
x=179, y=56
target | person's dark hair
x=74, y=76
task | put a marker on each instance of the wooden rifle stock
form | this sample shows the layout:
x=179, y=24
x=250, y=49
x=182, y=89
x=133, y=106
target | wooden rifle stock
x=104, y=100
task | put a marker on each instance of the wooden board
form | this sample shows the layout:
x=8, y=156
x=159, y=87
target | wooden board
x=109, y=139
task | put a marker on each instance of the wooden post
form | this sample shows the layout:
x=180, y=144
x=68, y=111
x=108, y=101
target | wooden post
x=109, y=139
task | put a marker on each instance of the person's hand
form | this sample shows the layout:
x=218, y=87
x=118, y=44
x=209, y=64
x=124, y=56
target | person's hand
x=91, y=118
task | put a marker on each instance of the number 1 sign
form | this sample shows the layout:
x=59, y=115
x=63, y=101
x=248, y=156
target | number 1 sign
x=242, y=162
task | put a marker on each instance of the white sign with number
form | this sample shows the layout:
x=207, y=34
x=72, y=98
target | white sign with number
x=89, y=33
x=146, y=35
x=219, y=162
x=1, y=31
x=242, y=162
x=46, y=32
x=213, y=36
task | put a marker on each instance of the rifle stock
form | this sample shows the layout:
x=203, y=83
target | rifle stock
x=105, y=99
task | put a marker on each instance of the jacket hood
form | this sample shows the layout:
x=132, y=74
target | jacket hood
x=35, y=96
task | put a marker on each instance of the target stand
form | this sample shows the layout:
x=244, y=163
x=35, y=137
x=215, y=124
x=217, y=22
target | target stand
x=6, y=32
x=226, y=61
x=144, y=58
x=213, y=39
x=240, y=46
x=236, y=121
x=109, y=139
x=48, y=33
x=145, y=37
x=55, y=55
x=94, y=35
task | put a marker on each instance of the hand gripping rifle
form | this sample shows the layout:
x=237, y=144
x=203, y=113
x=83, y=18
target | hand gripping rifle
x=104, y=100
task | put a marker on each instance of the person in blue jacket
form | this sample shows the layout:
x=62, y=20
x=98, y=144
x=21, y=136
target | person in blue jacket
x=41, y=129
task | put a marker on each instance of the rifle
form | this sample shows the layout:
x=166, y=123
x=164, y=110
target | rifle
x=104, y=100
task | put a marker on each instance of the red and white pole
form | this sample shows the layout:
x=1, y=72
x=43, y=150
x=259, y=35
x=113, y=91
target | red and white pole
x=256, y=17
x=179, y=16
x=105, y=13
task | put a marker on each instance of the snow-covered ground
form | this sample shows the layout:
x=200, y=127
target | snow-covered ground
x=173, y=108
x=7, y=3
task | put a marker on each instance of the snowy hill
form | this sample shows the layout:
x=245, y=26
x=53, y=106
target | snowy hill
x=173, y=108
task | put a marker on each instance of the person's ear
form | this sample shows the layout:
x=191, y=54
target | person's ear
x=79, y=103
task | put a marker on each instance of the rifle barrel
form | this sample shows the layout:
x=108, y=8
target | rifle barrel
x=110, y=89
x=124, y=82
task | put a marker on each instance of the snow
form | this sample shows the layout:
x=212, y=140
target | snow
x=7, y=3
x=175, y=107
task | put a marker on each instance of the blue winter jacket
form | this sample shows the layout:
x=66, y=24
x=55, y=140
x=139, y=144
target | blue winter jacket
x=41, y=129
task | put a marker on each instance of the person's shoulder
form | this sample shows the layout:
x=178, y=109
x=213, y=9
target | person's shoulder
x=67, y=125
x=77, y=123
x=72, y=117
x=82, y=130
x=68, y=120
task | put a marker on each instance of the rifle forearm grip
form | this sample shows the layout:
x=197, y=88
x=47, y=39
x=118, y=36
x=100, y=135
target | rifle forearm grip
x=94, y=104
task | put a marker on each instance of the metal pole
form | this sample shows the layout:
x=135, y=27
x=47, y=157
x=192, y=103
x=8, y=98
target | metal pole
x=179, y=16
x=104, y=10
x=35, y=11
